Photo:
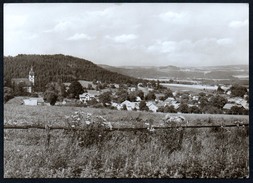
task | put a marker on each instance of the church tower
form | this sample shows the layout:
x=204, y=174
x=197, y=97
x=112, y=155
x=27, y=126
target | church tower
x=31, y=76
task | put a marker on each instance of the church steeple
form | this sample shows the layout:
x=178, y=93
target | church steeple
x=31, y=75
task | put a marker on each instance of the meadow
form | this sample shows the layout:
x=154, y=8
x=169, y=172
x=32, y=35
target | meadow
x=98, y=153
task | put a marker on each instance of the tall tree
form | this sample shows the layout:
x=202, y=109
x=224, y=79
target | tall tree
x=50, y=96
x=143, y=106
x=105, y=98
x=75, y=89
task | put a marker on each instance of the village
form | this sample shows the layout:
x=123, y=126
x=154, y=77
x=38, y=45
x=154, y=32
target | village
x=152, y=96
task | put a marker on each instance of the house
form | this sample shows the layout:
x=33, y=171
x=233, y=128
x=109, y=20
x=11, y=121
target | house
x=228, y=106
x=138, y=99
x=132, y=89
x=239, y=101
x=195, y=98
x=228, y=92
x=33, y=101
x=130, y=105
x=176, y=105
x=151, y=106
x=116, y=105
x=171, y=101
x=89, y=95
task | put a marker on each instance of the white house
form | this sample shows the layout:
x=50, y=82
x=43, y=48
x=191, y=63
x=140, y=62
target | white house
x=86, y=97
x=228, y=106
x=33, y=101
x=151, y=106
x=131, y=89
x=195, y=98
x=89, y=95
x=239, y=101
x=130, y=105
x=169, y=100
x=118, y=106
x=138, y=99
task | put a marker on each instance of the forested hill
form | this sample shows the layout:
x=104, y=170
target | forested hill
x=49, y=68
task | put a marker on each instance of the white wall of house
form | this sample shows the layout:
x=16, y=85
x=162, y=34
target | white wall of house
x=86, y=97
x=30, y=102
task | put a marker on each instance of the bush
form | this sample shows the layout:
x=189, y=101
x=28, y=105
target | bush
x=51, y=97
x=143, y=106
x=75, y=89
x=238, y=91
x=8, y=94
x=183, y=108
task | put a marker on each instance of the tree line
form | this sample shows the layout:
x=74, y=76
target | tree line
x=53, y=68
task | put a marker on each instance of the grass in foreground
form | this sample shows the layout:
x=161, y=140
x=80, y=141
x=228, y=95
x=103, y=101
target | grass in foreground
x=170, y=153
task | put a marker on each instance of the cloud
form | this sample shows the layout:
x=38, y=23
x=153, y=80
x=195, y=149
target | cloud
x=61, y=26
x=225, y=41
x=238, y=24
x=163, y=47
x=122, y=38
x=171, y=16
x=167, y=33
x=80, y=36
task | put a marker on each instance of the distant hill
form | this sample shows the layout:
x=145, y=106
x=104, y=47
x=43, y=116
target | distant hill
x=49, y=68
x=208, y=72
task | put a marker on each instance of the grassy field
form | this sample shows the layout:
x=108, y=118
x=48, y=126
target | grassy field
x=170, y=153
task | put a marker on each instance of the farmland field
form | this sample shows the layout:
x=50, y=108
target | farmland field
x=191, y=86
x=167, y=153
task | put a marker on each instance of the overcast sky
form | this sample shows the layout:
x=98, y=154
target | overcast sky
x=154, y=34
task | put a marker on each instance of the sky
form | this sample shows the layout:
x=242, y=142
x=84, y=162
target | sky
x=137, y=34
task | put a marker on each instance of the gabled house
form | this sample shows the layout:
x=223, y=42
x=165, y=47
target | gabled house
x=89, y=95
x=151, y=106
x=239, y=101
x=130, y=105
x=171, y=101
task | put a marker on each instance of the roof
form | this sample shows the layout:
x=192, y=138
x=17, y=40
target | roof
x=93, y=92
x=169, y=99
x=229, y=106
x=67, y=84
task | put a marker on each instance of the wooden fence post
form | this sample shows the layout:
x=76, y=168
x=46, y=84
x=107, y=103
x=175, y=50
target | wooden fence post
x=48, y=136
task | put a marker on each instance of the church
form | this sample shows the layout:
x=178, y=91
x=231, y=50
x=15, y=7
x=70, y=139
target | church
x=26, y=83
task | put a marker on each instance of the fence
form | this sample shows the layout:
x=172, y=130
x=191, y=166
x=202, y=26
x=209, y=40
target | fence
x=49, y=128
x=121, y=129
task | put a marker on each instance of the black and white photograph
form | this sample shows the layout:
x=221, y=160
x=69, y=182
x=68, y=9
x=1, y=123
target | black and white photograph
x=126, y=90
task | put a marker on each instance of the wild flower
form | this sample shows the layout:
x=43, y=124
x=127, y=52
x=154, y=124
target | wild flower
x=151, y=128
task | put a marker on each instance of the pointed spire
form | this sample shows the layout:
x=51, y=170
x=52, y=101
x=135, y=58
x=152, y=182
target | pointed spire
x=31, y=71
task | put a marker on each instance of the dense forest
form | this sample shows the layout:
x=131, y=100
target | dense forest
x=59, y=67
